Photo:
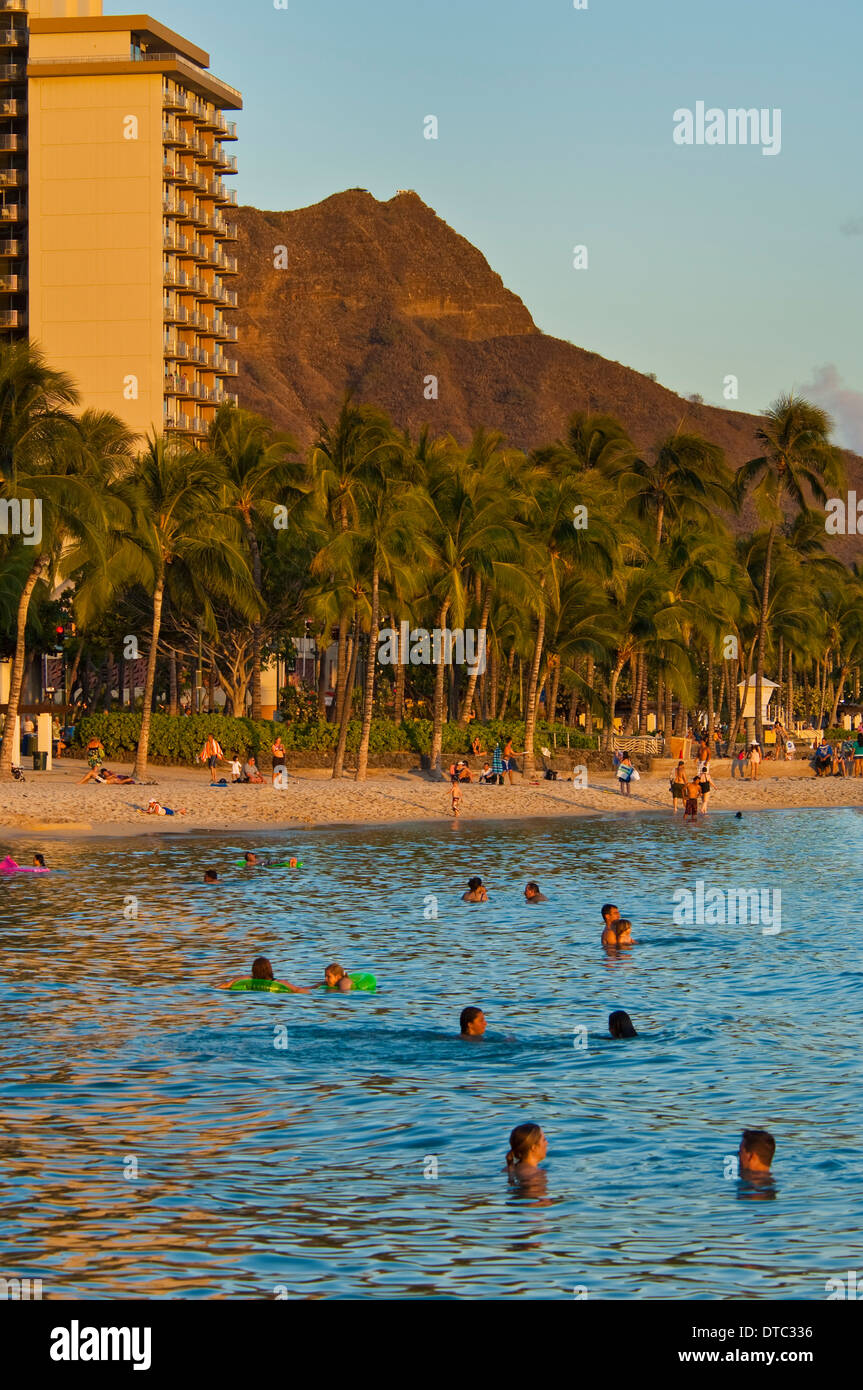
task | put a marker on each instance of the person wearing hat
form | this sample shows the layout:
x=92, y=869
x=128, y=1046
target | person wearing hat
x=753, y=758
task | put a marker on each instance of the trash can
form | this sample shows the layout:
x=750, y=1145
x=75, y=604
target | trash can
x=40, y=762
x=27, y=742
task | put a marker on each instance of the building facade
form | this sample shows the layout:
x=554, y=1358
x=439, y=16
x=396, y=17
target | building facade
x=117, y=247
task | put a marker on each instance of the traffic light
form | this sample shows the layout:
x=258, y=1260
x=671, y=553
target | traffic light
x=59, y=634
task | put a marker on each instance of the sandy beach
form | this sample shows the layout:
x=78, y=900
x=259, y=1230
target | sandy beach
x=53, y=803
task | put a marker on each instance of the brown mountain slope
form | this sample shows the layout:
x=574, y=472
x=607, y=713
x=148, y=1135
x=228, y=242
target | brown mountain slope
x=377, y=296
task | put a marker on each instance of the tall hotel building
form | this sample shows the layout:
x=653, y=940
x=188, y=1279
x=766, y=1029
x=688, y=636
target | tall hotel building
x=117, y=242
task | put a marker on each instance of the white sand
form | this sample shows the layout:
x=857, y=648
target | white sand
x=54, y=802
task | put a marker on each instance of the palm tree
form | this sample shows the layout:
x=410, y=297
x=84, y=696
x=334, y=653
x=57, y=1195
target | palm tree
x=684, y=476
x=177, y=534
x=798, y=462
x=260, y=474
x=62, y=464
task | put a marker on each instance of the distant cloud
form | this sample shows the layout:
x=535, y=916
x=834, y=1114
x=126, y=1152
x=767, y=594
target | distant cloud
x=853, y=227
x=846, y=406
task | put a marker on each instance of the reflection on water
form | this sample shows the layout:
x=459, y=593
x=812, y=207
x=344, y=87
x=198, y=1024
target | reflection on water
x=159, y=1137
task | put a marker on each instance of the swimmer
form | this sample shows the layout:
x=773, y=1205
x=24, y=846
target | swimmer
x=617, y=934
x=472, y=1023
x=533, y=895
x=610, y=914
x=620, y=1025
x=251, y=860
x=336, y=977
x=528, y=1146
x=210, y=876
x=755, y=1155
x=262, y=970
x=39, y=861
x=738, y=815
x=475, y=892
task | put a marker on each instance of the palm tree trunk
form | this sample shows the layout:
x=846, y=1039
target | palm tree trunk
x=588, y=714
x=507, y=684
x=554, y=686
x=474, y=672
x=369, y=692
x=790, y=724
x=341, y=668
x=762, y=634
x=533, y=696
x=73, y=673
x=709, y=695
x=840, y=685
x=823, y=688
x=322, y=673
x=612, y=699
x=437, y=718
x=732, y=732
x=401, y=673
x=255, y=711
x=149, y=684
x=780, y=673
x=347, y=701
x=173, y=694
x=16, y=677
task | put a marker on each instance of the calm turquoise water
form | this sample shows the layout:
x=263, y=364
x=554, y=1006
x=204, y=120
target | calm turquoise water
x=299, y=1169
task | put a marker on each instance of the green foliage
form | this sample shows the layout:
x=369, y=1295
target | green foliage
x=180, y=738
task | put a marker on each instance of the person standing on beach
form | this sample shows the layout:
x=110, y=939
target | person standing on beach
x=455, y=790
x=858, y=754
x=497, y=765
x=625, y=774
x=693, y=791
x=754, y=760
x=212, y=755
x=705, y=783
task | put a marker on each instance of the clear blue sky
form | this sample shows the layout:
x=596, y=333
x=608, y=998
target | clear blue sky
x=555, y=128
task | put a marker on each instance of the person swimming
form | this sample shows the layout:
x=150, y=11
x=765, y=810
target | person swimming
x=251, y=859
x=755, y=1155
x=533, y=895
x=39, y=861
x=620, y=1025
x=210, y=876
x=610, y=913
x=617, y=934
x=528, y=1146
x=336, y=977
x=476, y=893
x=262, y=970
x=472, y=1022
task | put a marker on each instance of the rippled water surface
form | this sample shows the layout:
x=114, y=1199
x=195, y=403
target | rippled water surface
x=159, y=1137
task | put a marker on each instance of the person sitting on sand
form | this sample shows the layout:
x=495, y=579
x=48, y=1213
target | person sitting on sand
x=533, y=895
x=617, y=935
x=475, y=892
x=155, y=808
x=693, y=791
x=117, y=779
x=476, y=746
x=528, y=1146
x=250, y=770
x=620, y=1025
x=472, y=1022
x=677, y=786
x=262, y=970
x=210, y=876
x=486, y=775
x=755, y=1155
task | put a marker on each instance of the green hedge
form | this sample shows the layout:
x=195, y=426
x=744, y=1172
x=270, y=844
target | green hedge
x=179, y=739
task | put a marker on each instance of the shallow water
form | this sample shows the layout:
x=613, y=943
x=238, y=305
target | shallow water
x=159, y=1137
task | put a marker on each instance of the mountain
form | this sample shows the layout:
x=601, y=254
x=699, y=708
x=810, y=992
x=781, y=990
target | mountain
x=378, y=296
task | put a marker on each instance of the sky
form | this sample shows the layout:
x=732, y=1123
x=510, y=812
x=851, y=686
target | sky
x=556, y=129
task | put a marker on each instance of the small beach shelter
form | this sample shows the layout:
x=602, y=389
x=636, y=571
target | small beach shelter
x=767, y=689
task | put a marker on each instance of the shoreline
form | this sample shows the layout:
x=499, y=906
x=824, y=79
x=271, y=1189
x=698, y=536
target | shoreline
x=54, y=806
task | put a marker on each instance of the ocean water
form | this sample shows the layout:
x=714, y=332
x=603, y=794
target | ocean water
x=162, y=1138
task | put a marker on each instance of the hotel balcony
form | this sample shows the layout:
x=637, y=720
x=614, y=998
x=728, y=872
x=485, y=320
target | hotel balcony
x=12, y=107
x=13, y=248
x=186, y=424
x=13, y=38
x=225, y=332
x=12, y=284
x=17, y=6
x=12, y=212
x=13, y=72
x=13, y=178
x=13, y=142
x=12, y=318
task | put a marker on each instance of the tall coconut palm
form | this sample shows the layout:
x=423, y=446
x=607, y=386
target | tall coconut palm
x=684, y=476
x=797, y=464
x=177, y=534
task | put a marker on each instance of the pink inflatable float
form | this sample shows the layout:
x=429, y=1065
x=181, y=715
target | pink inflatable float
x=8, y=866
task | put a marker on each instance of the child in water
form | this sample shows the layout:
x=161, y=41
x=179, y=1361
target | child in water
x=617, y=934
x=336, y=977
x=528, y=1146
x=693, y=791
